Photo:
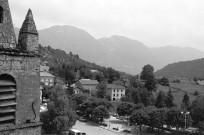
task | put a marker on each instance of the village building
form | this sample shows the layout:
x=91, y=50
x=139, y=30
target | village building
x=19, y=76
x=116, y=92
x=47, y=79
x=85, y=84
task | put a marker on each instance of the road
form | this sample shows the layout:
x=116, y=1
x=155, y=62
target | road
x=91, y=128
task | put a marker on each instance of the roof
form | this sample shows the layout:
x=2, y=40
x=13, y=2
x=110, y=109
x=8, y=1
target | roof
x=113, y=86
x=88, y=81
x=29, y=24
x=46, y=74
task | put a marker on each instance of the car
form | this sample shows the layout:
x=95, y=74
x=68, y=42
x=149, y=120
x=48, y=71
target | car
x=127, y=131
x=82, y=119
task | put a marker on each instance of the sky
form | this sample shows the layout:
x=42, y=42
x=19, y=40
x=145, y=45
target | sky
x=156, y=23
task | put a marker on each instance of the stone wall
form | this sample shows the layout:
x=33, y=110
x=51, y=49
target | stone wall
x=23, y=129
x=25, y=71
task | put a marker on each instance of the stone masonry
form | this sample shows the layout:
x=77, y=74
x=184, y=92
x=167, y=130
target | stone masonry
x=19, y=76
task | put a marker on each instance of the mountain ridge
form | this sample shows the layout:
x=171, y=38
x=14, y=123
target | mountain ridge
x=119, y=52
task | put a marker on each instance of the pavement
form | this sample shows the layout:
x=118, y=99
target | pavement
x=91, y=128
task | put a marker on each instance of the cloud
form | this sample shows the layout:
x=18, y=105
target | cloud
x=154, y=22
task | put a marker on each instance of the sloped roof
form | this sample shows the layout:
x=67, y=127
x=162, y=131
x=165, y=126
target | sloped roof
x=29, y=24
x=88, y=81
x=113, y=86
x=46, y=74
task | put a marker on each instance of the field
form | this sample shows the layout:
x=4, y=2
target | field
x=179, y=89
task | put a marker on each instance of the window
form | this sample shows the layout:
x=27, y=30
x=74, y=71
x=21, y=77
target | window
x=114, y=90
x=117, y=95
x=121, y=90
x=46, y=79
x=50, y=79
x=121, y=95
x=7, y=99
x=42, y=80
x=46, y=83
x=113, y=99
x=117, y=90
x=1, y=14
x=114, y=95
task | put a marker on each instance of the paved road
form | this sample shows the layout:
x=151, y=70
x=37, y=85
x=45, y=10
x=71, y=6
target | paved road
x=93, y=129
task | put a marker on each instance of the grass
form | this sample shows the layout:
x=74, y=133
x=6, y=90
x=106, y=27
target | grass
x=179, y=89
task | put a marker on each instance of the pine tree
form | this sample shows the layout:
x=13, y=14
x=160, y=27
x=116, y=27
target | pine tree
x=169, y=99
x=186, y=102
x=161, y=100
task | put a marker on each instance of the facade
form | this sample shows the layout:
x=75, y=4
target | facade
x=116, y=92
x=86, y=84
x=19, y=76
x=77, y=90
x=47, y=78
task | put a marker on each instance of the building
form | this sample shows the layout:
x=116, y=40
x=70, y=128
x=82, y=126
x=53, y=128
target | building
x=47, y=78
x=19, y=76
x=86, y=84
x=116, y=92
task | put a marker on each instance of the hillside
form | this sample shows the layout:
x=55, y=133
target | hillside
x=188, y=69
x=119, y=52
x=62, y=64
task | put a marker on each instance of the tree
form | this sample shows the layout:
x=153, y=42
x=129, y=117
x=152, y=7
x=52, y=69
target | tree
x=176, y=119
x=185, y=102
x=197, y=110
x=158, y=118
x=164, y=81
x=125, y=109
x=60, y=116
x=170, y=100
x=70, y=76
x=138, y=117
x=101, y=90
x=112, y=75
x=147, y=74
x=78, y=99
x=161, y=100
x=100, y=112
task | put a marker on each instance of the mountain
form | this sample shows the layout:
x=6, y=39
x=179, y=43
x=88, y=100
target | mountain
x=188, y=69
x=126, y=54
x=171, y=54
x=119, y=52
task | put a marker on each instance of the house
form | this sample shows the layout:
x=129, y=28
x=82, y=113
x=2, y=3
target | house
x=86, y=84
x=47, y=78
x=116, y=92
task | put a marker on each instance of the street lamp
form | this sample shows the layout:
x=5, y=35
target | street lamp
x=185, y=113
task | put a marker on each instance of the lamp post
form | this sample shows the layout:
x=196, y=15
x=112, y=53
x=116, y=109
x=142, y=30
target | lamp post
x=185, y=113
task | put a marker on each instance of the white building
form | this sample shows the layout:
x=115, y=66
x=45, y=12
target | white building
x=116, y=91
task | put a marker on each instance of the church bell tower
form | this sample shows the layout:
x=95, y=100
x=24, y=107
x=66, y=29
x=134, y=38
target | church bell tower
x=7, y=35
x=19, y=76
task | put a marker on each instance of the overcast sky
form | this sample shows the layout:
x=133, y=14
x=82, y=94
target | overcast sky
x=153, y=22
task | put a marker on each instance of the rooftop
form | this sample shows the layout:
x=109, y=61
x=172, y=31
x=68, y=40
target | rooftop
x=88, y=81
x=113, y=86
x=46, y=74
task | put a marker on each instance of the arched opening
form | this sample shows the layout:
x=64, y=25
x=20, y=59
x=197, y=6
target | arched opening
x=1, y=14
x=7, y=99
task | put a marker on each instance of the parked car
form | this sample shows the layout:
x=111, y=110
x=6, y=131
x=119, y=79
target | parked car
x=82, y=119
